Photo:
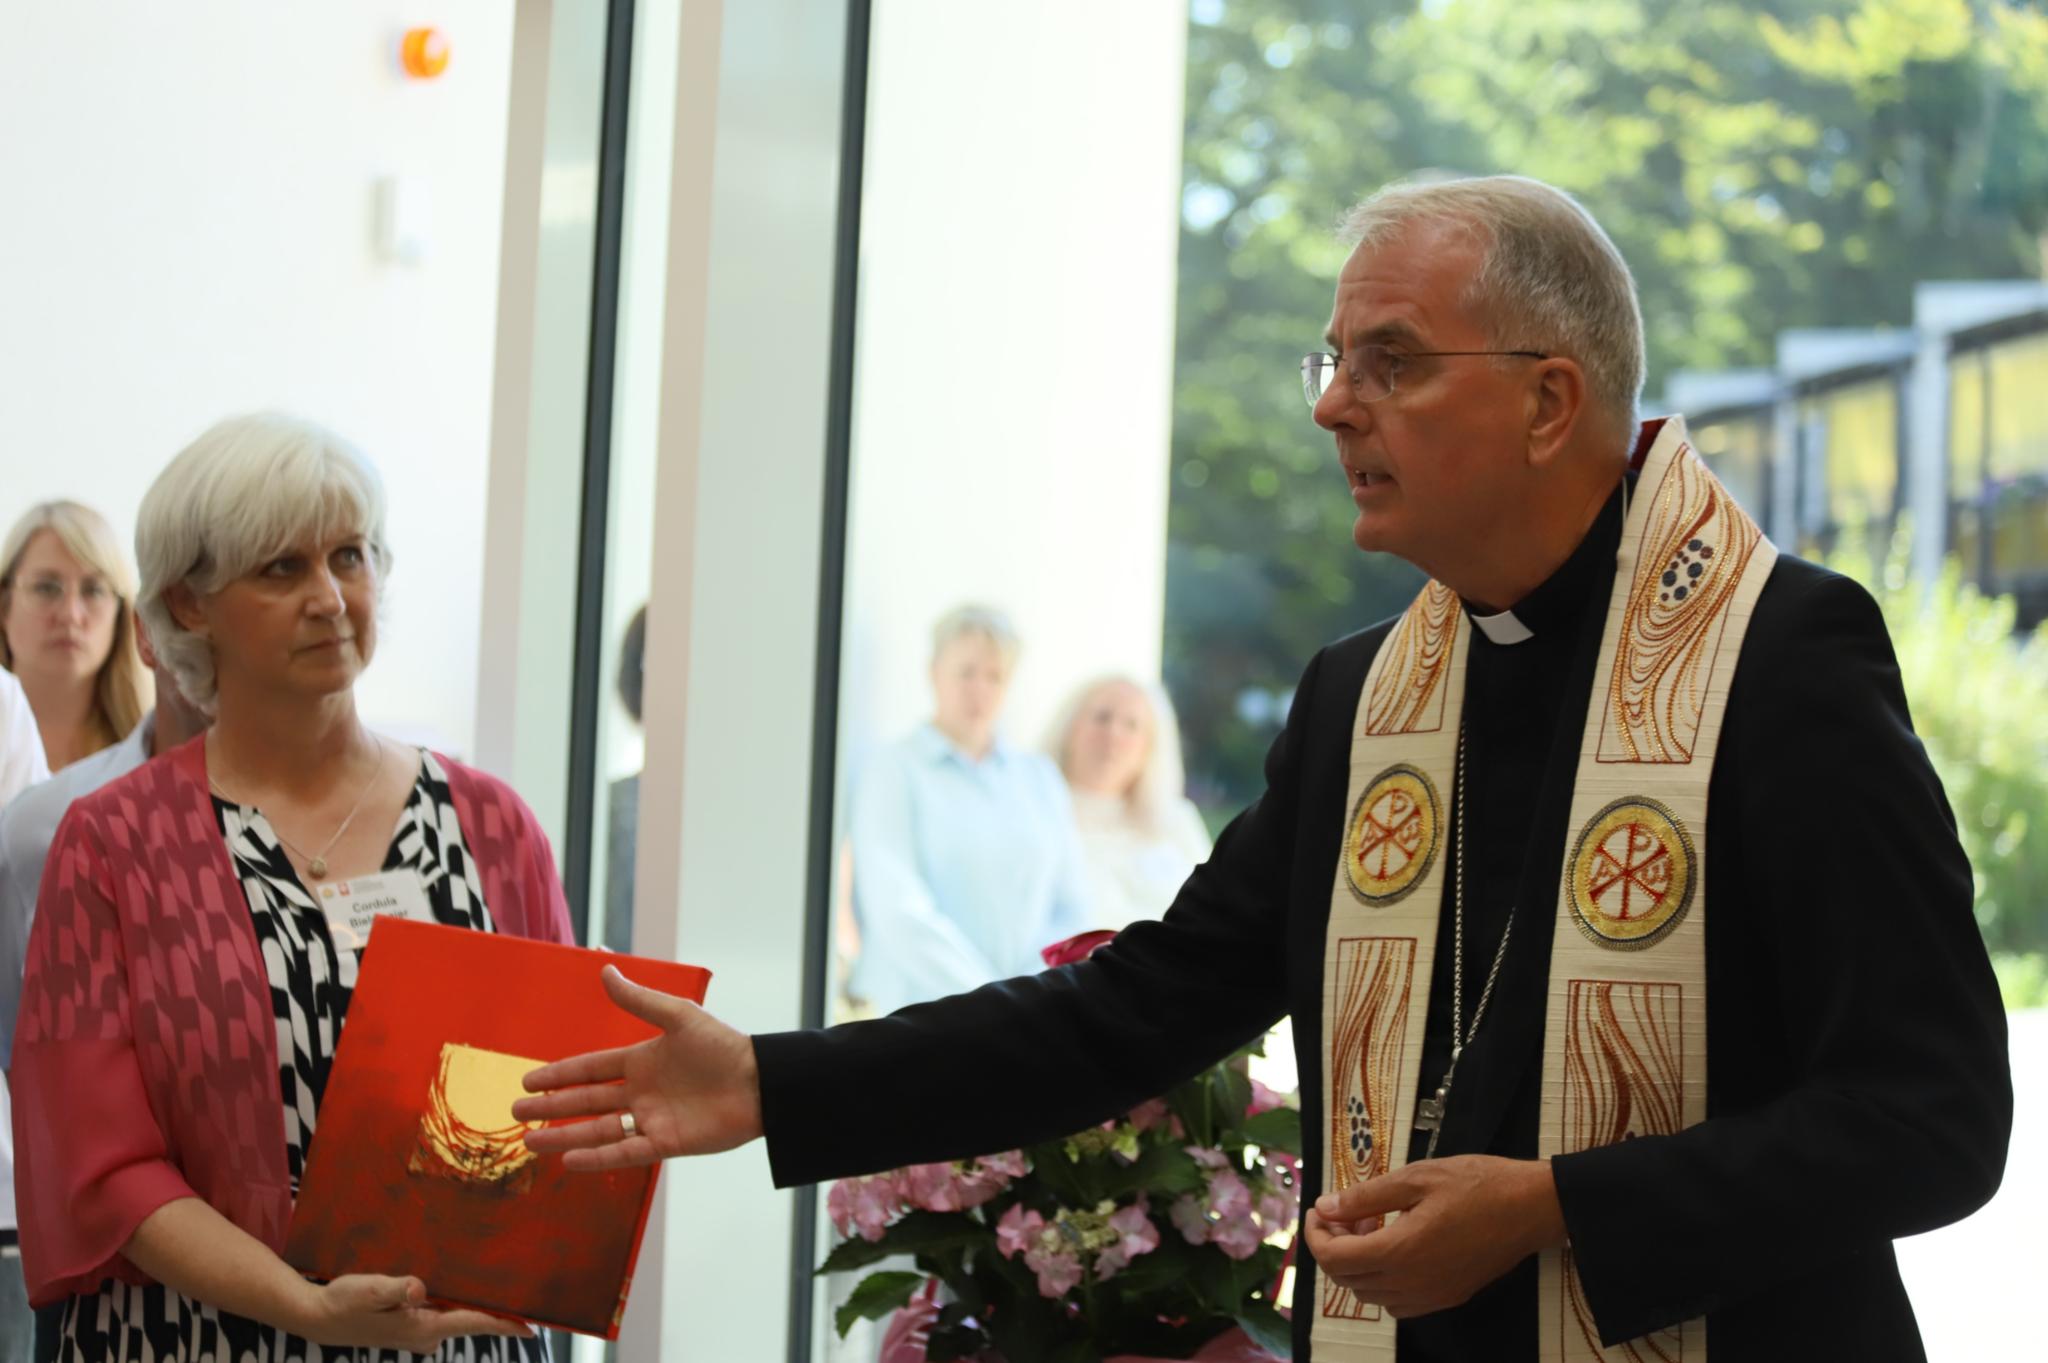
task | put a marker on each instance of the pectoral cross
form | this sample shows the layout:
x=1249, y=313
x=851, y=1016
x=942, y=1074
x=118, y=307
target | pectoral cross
x=1429, y=1113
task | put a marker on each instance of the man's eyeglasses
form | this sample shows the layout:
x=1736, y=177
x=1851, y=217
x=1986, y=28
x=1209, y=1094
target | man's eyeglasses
x=1375, y=368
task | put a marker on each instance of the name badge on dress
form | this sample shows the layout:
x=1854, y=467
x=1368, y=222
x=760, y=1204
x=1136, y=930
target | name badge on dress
x=353, y=906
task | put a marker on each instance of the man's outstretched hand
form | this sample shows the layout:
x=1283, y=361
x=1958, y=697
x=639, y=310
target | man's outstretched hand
x=693, y=1090
x=1463, y=1222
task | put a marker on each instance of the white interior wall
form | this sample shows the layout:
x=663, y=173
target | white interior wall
x=540, y=392
x=1015, y=358
x=188, y=235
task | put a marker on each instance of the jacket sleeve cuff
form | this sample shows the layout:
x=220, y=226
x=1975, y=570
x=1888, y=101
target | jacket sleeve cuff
x=1611, y=1240
x=782, y=1059
x=123, y=1200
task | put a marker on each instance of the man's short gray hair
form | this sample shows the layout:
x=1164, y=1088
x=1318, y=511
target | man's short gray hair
x=980, y=622
x=235, y=498
x=1549, y=278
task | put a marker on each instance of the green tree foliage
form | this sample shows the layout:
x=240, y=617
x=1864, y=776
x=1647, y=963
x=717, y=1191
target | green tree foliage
x=1762, y=166
x=1979, y=697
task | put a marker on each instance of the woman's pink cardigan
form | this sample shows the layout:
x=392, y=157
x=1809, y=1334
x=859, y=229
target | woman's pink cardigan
x=145, y=1059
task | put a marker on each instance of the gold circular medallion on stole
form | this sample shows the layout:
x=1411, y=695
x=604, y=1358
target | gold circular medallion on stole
x=1632, y=873
x=1391, y=838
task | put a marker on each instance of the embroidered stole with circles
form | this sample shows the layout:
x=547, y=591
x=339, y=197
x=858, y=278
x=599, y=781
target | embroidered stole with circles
x=1625, y=1040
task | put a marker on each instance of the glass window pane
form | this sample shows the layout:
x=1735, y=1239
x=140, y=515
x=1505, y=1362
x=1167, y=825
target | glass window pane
x=1006, y=520
x=1860, y=456
x=2019, y=408
x=1738, y=450
x=1764, y=202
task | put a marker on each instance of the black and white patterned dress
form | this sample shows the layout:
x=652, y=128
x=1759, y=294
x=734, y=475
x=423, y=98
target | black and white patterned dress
x=311, y=983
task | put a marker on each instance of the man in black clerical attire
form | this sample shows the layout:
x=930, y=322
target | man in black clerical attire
x=1733, y=1185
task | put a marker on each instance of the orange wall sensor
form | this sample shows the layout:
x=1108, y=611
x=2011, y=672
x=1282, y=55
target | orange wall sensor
x=423, y=52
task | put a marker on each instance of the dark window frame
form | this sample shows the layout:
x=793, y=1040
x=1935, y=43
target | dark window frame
x=587, y=687
x=818, y=841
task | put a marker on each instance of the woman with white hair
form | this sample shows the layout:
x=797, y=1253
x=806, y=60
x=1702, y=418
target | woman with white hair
x=185, y=991
x=1118, y=744
x=67, y=629
x=965, y=862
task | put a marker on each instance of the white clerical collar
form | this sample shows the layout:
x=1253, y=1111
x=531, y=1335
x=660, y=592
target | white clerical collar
x=1504, y=628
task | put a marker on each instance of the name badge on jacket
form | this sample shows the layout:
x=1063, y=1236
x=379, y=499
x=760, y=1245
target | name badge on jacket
x=353, y=906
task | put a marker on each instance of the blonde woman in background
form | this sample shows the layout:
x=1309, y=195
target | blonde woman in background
x=67, y=630
x=74, y=686
x=1118, y=744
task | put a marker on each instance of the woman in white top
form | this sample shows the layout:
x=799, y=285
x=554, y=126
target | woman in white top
x=1118, y=745
x=21, y=747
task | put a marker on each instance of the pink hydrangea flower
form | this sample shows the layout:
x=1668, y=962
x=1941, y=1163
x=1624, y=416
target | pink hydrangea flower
x=1228, y=1195
x=1135, y=1235
x=864, y=1205
x=1058, y=1270
x=929, y=1186
x=1010, y=1164
x=1232, y=1214
x=955, y=1186
x=945, y=1188
x=1237, y=1236
x=1017, y=1231
x=1149, y=1114
x=1190, y=1218
x=1277, y=1207
x=1263, y=1100
x=1047, y=1252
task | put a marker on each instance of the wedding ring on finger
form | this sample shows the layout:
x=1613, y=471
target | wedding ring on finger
x=627, y=1126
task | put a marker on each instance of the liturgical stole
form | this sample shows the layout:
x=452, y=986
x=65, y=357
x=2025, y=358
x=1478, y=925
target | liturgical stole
x=1625, y=1039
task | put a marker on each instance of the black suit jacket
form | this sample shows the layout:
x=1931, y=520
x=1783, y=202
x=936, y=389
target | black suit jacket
x=1858, y=1085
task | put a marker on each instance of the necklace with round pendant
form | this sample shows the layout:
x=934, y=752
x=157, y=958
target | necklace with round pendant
x=316, y=865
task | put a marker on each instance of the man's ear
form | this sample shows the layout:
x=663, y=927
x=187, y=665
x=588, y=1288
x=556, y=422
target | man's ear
x=143, y=647
x=183, y=604
x=1557, y=405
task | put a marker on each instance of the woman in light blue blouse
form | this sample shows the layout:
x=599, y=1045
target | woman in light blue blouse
x=965, y=857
